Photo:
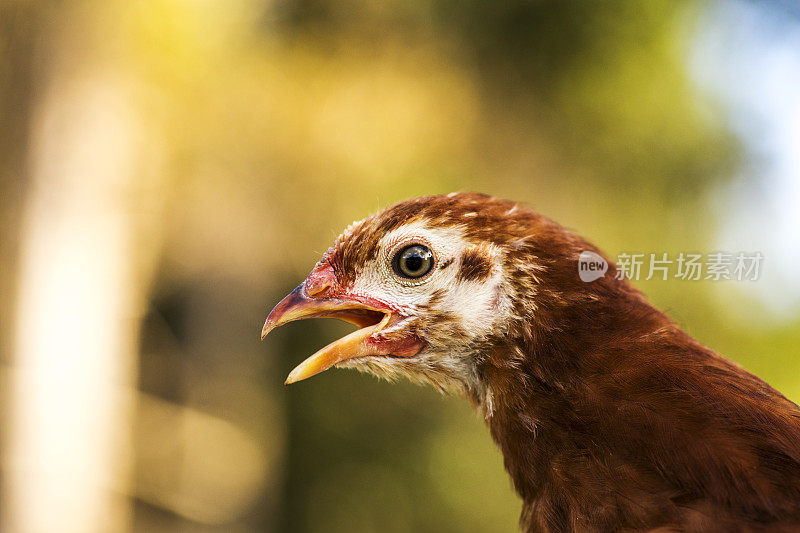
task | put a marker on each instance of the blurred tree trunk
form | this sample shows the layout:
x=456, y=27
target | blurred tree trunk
x=66, y=436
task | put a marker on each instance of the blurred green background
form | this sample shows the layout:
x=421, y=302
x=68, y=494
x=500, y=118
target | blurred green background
x=169, y=169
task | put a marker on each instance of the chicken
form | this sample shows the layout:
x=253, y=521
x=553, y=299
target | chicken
x=609, y=416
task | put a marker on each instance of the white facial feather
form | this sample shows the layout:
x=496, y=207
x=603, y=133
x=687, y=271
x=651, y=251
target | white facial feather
x=473, y=308
x=378, y=279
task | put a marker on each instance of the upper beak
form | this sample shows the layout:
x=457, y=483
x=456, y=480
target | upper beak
x=299, y=304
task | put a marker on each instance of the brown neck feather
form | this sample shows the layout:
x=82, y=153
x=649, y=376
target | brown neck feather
x=609, y=416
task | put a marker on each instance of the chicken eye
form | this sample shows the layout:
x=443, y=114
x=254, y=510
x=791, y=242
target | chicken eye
x=413, y=261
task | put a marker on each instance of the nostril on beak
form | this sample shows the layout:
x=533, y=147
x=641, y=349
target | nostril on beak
x=320, y=281
x=317, y=287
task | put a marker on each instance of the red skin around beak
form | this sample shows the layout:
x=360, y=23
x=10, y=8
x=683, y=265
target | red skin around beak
x=320, y=296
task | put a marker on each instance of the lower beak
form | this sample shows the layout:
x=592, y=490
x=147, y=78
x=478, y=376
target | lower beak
x=298, y=305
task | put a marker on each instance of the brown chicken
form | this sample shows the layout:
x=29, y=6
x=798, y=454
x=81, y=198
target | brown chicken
x=610, y=418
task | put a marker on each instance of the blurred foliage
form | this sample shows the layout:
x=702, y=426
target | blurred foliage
x=267, y=127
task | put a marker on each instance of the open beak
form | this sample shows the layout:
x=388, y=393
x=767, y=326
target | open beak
x=370, y=318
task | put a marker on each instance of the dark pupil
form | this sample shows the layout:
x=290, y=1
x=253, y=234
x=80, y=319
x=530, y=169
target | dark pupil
x=414, y=262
